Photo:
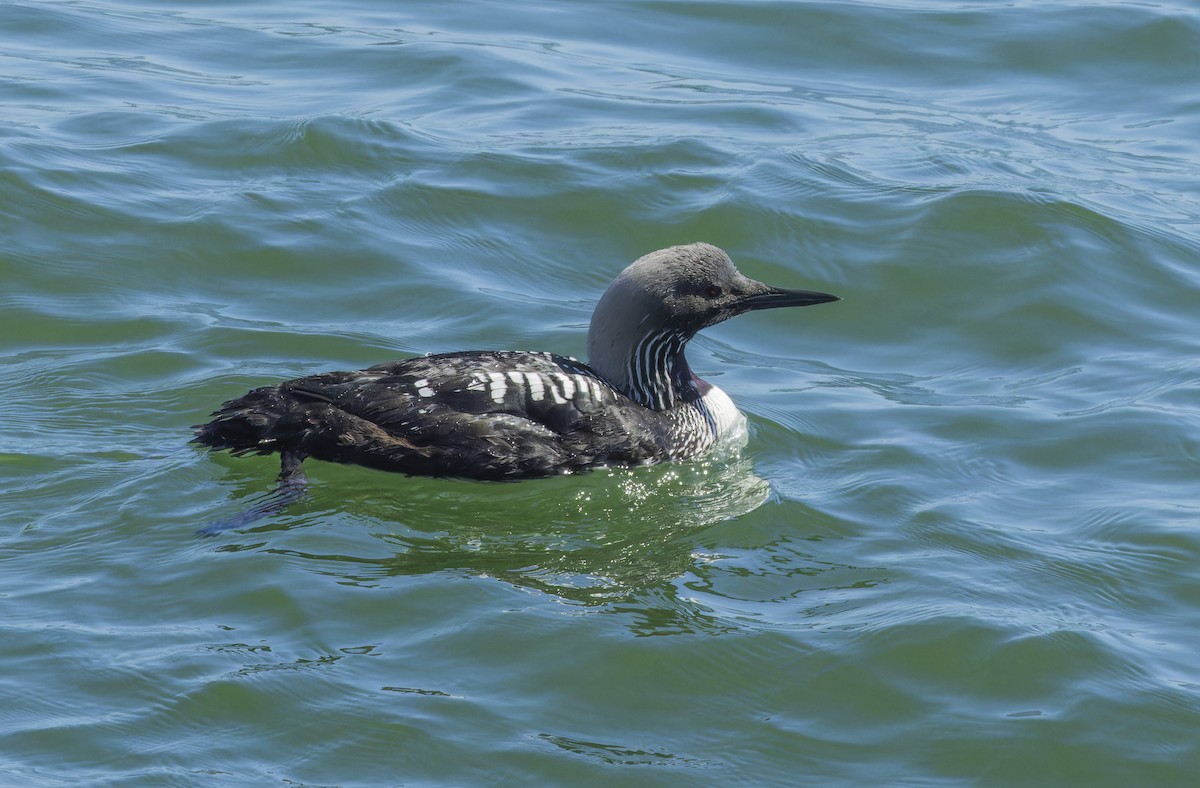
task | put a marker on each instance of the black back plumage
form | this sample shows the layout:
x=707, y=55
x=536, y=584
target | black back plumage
x=480, y=415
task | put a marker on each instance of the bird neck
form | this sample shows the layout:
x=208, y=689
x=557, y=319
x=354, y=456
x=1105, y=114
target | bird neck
x=655, y=372
x=636, y=346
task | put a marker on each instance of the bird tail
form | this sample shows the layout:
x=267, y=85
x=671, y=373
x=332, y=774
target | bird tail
x=264, y=421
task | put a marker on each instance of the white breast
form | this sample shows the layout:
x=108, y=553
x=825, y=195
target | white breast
x=730, y=423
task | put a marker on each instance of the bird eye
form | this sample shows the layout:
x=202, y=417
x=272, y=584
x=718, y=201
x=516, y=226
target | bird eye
x=713, y=291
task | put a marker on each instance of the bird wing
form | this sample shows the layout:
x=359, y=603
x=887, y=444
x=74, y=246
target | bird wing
x=483, y=415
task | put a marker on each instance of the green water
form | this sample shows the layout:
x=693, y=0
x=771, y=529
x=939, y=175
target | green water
x=961, y=547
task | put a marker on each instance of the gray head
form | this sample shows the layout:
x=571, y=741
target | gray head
x=658, y=303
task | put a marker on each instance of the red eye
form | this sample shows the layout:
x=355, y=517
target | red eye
x=713, y=291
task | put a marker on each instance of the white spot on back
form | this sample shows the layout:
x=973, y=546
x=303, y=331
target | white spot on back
x=597, y=394
x=499, y=387
x=537, y=389
x=568, y=386
x=554, y=391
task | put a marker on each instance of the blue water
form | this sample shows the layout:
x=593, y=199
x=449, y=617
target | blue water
x=960, y=548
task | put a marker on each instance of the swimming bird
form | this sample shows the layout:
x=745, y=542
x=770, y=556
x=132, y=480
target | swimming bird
x=500, y=415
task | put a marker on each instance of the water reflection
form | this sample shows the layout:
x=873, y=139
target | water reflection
x=591, y=539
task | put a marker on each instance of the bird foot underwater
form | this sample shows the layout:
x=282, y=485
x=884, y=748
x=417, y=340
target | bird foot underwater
x=293, y=487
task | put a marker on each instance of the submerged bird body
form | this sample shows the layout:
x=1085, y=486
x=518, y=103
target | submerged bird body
x=498, y=415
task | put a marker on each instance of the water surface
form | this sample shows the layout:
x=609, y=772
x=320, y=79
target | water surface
x=959, y=549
